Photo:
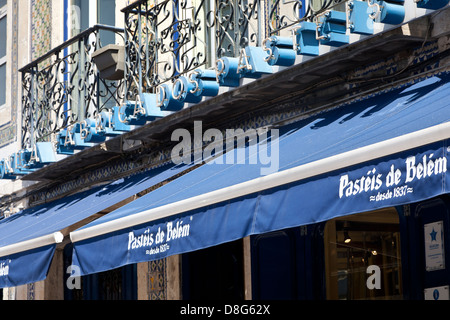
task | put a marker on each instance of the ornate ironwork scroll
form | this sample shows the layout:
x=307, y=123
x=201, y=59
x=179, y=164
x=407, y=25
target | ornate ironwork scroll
x=63, y=87
x=165, y=39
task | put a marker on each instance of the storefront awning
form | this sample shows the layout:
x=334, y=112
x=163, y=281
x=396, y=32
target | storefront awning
x=28, y=239
x=385, y=150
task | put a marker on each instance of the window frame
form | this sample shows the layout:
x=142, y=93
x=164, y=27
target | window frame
x=3, y=59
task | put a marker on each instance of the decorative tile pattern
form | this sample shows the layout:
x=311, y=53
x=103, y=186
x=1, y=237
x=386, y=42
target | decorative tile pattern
x=31, y=292
x=157, y=283
x=271, y=9
x=41, y=27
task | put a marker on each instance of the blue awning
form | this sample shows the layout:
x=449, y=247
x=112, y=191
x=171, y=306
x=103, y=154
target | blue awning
x=28, y=239
x=385, y=150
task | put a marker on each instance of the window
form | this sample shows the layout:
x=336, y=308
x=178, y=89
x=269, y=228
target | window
x=214, y=273
x=3, y=36
x=322, y=5
x=2, y=84
x=362, y=256
x=85, y=14
x=106, y=14
x=80, y=17
x=117, y=284
x=3, y=33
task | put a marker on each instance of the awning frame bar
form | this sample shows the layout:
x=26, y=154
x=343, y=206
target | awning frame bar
x=357, y=156
x=54, y=238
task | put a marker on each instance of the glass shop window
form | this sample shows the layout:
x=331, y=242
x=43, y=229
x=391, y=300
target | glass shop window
x=362, y=256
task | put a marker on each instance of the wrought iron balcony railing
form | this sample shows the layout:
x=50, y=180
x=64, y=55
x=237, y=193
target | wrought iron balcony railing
x=162, y=40
x=63, y=87
x=167, y=38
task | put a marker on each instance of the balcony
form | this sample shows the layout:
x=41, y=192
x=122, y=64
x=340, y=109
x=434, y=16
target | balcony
x=213, y=60
x=173, y=38
x=63, y=87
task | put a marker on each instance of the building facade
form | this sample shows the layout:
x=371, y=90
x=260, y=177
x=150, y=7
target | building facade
x=160, y=150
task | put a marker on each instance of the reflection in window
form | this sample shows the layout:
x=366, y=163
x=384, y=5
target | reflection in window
x=3, y=36
x=2, y=84
x=323, y=5
x=355, y=243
